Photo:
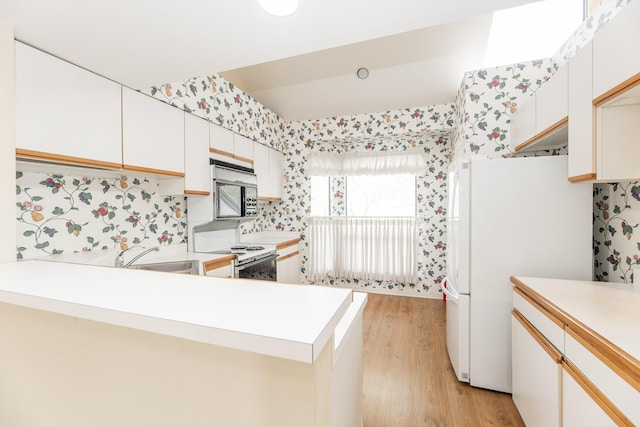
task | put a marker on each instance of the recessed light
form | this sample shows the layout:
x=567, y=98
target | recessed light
x=279, y=7
x=362, y=73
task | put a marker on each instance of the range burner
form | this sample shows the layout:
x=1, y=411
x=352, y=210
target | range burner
x=254, y=248
x=238, y=247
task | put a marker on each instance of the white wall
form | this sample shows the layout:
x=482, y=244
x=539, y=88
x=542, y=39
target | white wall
x=7, y=145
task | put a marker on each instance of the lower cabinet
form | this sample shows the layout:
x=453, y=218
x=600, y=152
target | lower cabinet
x=536, y=375
x=562, y=375
x=289, y=262
x=222, y=267
x=578, y=407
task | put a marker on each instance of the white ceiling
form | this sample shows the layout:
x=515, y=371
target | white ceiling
x=140, y=43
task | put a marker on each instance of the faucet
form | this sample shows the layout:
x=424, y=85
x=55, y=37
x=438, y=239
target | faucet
x=119, y=262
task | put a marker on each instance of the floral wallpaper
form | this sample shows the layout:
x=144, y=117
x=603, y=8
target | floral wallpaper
x=221, y=102
x=486, y=101
x=67, y=213
x=616, y=237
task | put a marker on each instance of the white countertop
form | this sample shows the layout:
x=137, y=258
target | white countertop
x=287, y=321
x=612, y=310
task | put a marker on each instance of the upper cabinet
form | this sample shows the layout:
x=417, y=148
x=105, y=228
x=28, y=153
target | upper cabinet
x=152, y=135
x=604, y=103
x=269, y=167
x=65, y=113
x=616, y=57
x=541, y=122
x=197, y=179
x=228, y=146
x=582, y=149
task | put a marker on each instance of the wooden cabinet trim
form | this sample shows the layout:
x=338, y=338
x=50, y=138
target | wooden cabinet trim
x=221, y=152
x=270, y=199
x=541, y=309
x=196, y=193
x=230, y=155
x=603, y=402
x=544, y=343
x=217, y=263
x=59, y=158
x=625, y=365
x=617, y=90
x=582, y=178
x=134, y=168
x=285, y=257
x=288, y=243
x=548, y=131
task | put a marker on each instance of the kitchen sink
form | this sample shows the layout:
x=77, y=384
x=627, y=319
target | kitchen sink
x=181, y=267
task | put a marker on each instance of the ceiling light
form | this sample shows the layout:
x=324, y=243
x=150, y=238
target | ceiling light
x=279, y=7
x=362, y=73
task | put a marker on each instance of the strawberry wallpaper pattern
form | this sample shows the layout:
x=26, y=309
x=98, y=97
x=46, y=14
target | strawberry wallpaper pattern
x=64, y=213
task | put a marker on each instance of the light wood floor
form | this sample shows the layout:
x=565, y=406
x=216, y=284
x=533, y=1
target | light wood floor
x=408, y=379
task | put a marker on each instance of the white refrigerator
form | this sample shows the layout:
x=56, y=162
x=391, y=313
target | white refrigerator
x=507, y=217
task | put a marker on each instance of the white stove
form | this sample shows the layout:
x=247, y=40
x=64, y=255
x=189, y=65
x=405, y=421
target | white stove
x=251, y=261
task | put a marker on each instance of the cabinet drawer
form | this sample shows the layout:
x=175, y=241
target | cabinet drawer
x=218, y=268
x=549, y=326
x=620, y=392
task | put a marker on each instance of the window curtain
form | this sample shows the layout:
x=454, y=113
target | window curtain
x=369, y=248
x=367, y=163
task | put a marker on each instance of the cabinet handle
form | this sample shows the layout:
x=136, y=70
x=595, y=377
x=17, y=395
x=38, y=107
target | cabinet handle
x=291, y=255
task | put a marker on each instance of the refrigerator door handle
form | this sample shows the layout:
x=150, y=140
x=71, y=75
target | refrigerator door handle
x=450, y=293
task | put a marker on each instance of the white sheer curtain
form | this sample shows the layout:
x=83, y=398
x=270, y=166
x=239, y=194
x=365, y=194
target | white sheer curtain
x=368, y=163
x=370, y=248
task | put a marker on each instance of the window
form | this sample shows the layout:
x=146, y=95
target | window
x=320, y=196
x=381, y=195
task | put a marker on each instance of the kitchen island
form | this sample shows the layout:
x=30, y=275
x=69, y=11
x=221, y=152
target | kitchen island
x=87, y=345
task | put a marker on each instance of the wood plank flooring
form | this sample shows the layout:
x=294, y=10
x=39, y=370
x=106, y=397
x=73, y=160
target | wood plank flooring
x=408, y=379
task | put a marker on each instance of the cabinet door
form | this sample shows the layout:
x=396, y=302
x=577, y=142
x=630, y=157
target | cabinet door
x=64, y=112
x=618, y=149
x=261, y=167
x=221, y=141
x=578, y=408
x=616, y=57
x=551, y=102
x=152, y=135
x=276, y=171
x=196, y=155
x=582, y=165
x=218, y=268
x=536, y=375
x=243, y=149
x=288, y=263
x=523, y=123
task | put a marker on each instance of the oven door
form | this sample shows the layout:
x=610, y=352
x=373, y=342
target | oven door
x=260, y=269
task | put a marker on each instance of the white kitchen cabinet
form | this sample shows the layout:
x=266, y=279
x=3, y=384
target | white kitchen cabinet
x=243, y=149
x=222, y=267
x=552, y=102
x=269, y=166
x=288, y=261
x=581, y=161
x=602, y=138
x=536, y=366
x=197, y=179
x=579, y=409
x=65, y=113
x=152, y=135
x=616, y=57
x=592, y=368
x=230, y=147
x=541, y=122
x=523, y=123
x=221, y=141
